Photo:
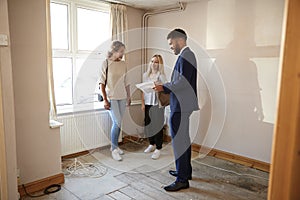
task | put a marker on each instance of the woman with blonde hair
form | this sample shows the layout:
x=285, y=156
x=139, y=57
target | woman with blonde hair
x=154, y=114
x=115, y=91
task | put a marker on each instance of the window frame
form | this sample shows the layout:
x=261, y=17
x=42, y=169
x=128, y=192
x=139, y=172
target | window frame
x=73, y=53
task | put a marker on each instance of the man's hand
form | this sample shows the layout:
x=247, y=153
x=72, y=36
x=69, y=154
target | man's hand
x=158, y=88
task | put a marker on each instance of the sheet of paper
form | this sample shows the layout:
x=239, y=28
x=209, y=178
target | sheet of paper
x=146, y=87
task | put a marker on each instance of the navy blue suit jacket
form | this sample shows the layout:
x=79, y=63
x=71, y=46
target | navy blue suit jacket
x=183, y=85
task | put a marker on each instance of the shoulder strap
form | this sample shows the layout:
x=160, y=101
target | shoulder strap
x=106, y=70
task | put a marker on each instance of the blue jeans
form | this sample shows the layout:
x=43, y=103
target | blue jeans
x=117, y=109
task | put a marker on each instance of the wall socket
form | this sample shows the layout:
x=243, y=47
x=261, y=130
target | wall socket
x=3, y=40
x=18, y=176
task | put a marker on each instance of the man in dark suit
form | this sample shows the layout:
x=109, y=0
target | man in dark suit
x=183, y=101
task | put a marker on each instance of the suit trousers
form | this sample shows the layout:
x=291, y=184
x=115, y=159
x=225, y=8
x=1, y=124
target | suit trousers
x=179, y=127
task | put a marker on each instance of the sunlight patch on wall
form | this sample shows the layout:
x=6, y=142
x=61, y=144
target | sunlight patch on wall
x=267, y=70
x=220, y=23
x=245, y=21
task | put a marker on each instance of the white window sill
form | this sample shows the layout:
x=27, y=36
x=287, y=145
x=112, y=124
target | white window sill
x=55, y=124
x=71, y=109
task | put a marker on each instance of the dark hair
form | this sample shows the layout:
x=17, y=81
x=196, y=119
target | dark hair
x=177, y=33
x=115, y=46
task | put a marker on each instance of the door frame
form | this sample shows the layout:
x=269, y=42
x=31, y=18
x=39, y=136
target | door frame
x=285, y=174
x=3, y=170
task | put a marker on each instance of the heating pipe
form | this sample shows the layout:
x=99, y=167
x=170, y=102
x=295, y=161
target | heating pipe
x=146, y=16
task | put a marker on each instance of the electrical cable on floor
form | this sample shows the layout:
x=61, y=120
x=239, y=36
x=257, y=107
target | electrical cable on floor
x=80, y=169
x=48, y=190
x=218, y=168
x=139, y=141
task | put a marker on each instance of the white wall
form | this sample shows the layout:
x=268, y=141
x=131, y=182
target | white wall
x=242, y=39
x=38, y=146
x=134, y=118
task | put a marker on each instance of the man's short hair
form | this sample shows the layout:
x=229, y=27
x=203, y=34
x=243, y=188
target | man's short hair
x=177, y=33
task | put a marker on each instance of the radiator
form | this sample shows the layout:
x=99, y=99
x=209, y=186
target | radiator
x=84, y=131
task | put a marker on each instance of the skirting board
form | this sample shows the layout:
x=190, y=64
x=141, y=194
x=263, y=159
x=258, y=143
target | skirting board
x=41, y=184
x=249, y=162
x=81, y=153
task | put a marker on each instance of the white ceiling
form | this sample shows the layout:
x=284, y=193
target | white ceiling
x=151, y=4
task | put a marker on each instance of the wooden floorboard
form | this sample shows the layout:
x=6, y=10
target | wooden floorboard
x=194, y=192
x=212, y=179
x=227, y=185
x=153, y=190
x=207, y=183
x=135, y=194
x=119, y=195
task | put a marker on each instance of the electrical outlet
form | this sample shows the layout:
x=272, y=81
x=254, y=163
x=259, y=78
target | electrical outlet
x=18, y=176
x=3, y=40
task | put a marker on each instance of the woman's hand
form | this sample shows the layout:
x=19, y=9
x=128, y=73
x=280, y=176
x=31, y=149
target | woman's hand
x=128, y=101
x=143, y=107
x=106, y=105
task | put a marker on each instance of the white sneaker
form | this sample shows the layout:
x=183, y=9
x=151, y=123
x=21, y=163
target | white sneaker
x=115, y=155
x=149, y=149
x=155, y=154
x=120, y=151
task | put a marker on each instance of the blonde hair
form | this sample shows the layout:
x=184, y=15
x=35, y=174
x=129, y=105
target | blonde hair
x=115, y=46
x=160, y=65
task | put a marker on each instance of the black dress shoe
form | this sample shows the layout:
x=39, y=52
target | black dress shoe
x=174, y=173
x=177, y=186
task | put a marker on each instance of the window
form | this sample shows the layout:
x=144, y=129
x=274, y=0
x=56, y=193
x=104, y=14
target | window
x=78, y=28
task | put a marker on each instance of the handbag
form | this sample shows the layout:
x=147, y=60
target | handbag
x=163, y=99
x=100, y=97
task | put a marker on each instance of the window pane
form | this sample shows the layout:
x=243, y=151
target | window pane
x=59, y=26
x=93, y=28
x=62, y=73
x=85, y=80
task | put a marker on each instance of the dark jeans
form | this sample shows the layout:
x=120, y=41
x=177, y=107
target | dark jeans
x=154, y=122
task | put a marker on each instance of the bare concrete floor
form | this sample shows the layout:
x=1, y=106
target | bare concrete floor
x=140, y=177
